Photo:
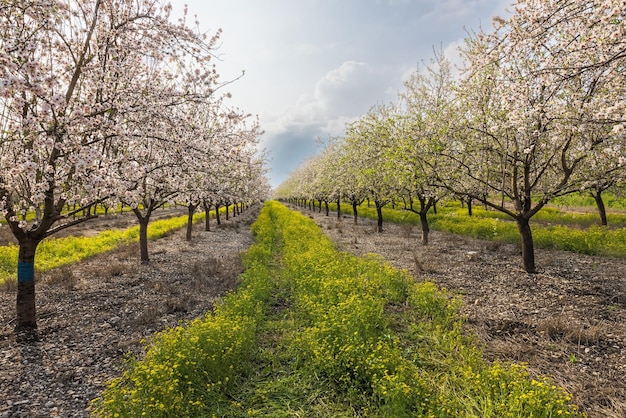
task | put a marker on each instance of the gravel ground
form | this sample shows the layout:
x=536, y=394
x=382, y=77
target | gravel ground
x=568, y=321
x=92, y=314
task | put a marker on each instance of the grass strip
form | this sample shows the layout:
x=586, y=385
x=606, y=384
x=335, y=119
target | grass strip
x=550, y=229
x=315, y=332
x=57, y=252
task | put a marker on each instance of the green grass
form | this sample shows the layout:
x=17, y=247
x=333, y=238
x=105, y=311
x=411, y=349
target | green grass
x=315, y=332
x=57, y=252
x=611, y=201
x=551, y=227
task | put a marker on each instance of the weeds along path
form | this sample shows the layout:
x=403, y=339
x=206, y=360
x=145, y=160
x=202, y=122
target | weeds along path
x=93, y=313
x=568, y=321
x=315, y=332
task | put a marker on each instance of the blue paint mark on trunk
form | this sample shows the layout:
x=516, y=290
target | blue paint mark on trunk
x=25, y=271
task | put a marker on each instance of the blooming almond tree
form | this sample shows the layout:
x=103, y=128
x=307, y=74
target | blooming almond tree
x=67, y=71
x=227, y=147
x=538, y=99
x=372, y=139
x=428, y=102
x=605, y=169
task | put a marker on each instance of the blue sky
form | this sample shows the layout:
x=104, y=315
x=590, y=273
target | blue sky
x=311, y=66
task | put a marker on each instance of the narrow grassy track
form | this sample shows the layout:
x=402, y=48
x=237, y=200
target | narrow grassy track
x=315, y=332
x=57, y=252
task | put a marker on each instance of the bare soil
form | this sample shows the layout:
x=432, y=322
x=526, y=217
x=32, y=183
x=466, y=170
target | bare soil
x=93, y=314
x=568, y=321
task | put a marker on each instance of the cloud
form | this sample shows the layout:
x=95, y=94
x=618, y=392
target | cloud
x=341, y=95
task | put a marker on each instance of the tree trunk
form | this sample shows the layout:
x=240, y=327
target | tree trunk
x=425, y=227
x=379, y=214
x=355, y=213
x=190, y=211
x=26, y=311
x=143, y=238
x=327, y=208
x=320, y=204
x=528, y=249
x=601, y=208
x=469, y=206
x=207, y=216
x=217, y=213
x=227, y=211
x=338, y=208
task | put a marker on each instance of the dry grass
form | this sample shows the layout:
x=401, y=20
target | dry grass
x=61, y=276
x=178, y=303
x=147, y=316
x=562, y=327
x=8, y=286
x=406, y=230
x=217, y=266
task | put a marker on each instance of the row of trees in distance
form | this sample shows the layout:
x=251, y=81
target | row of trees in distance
x=538, y=112
x=111, y=101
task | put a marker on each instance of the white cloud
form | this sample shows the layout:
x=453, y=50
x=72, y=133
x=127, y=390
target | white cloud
x=340, y=96
x=453, y=53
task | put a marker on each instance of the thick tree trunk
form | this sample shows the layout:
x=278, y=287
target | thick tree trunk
x=469, y=206
x=425, y=227
x=379, y=215
x=355, y=212
x=528, y=249
x=207, y=216
x=143, y=239
x=217, y=213
x=327, y=208
x=601, y=208
x=190, y=211
x=320, y=204
x=26, y=311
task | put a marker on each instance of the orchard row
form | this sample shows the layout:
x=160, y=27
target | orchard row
x=110, y=101
x=538, y=112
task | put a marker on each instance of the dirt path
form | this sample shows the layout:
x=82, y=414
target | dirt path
x=567, y=321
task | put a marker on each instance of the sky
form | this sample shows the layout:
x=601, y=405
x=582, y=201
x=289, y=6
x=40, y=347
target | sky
x=312, y=66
